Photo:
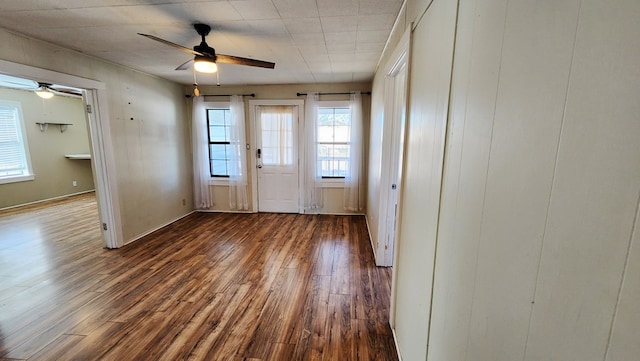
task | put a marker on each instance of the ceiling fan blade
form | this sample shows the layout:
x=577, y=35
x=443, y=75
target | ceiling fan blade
x=180, y=47
x=185, y=65
x=230, y=59
x=65, y=91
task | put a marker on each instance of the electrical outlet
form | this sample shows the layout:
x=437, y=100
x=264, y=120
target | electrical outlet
x=75, y=183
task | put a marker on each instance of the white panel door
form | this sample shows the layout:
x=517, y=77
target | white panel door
x=396, y=152
x=277, y=158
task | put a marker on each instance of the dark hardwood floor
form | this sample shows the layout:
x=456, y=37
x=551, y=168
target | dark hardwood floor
x=208, y=287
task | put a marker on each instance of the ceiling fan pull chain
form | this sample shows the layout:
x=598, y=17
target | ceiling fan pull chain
x=196, y=91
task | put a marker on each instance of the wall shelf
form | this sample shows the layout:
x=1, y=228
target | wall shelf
x=77, y=156
x=45, y=125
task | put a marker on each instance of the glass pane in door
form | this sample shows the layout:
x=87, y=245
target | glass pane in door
x=277, y=135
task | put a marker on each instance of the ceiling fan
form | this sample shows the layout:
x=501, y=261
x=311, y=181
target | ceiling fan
x=46, y=90
x=205, y=56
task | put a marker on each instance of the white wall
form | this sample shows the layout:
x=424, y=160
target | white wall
x=533, y=52
x=594, y=202
x=148, y=129
x=374, y=171
x=53, y=173
x=536, y=254
x=421, y=183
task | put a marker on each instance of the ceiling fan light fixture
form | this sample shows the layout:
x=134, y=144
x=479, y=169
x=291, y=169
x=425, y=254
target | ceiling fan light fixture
x=44, y=92
x=204, y=65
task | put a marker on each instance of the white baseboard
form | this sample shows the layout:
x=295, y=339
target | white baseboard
x=47, y=200
x=336, y=213
x=395, y=341
x=221, y=211
x=373, y=246
x=249, y=212
x=156, y=228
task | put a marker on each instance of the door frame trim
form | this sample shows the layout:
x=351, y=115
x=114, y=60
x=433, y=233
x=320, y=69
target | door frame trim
x=102, y=159
x=253, y=105
x=400, y=55
x=400, y=59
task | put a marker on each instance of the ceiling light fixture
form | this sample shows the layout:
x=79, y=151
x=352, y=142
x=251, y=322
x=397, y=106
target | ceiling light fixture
x=204, y=65
x=44, y=92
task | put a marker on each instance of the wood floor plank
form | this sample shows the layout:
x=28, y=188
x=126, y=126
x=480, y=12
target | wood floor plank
x=219, y=324
x=313, y=321
x=339, y=344
x=195, y=329
x=261, y=287
x=281, y=351
x=97, y=343
x=58, y=349
x=46, y=324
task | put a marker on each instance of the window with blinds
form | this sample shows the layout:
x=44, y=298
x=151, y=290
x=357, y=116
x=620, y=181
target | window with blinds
x=14, y=151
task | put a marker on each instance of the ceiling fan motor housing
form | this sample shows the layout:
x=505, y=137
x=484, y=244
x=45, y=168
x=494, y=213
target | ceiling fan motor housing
x=206, y=50
x=203, y=30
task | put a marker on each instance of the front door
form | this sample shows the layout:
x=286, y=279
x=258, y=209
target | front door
x=277, y=158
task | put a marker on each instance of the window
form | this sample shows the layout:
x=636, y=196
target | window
x=14, y=151
x=334, y=141
x=219, y=129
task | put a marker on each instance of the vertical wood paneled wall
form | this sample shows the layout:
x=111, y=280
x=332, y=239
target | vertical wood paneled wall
x=420, y=191
x=536, y=254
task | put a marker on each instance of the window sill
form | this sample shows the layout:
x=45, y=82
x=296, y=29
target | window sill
x=219, y=182
x=333, y=183
x=16, y=179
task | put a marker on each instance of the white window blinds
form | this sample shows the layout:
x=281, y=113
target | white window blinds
x=13, y=147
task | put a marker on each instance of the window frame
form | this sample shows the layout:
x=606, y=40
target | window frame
x=215, y=180
x=25, y=145
x=331, y=182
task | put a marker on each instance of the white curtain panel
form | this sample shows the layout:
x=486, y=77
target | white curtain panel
x=353, y=198
x=312, y=180
x=237, y=157
x=200, y=143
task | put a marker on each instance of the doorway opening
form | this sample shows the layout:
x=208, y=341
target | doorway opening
x=395, y=108
x=96, y=120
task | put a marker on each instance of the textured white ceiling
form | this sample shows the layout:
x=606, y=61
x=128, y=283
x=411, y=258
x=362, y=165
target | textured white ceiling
x=309, y=40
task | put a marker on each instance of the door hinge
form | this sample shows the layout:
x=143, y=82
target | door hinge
x=104, y=226
x=89, y=110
